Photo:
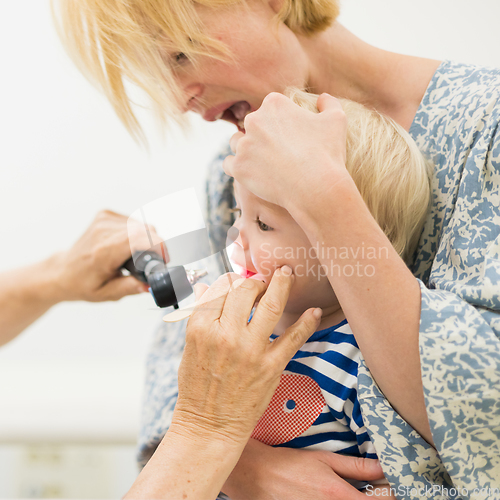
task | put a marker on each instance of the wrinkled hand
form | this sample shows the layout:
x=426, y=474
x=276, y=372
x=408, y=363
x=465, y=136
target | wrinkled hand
x=89, y=270
x=289, y=155
x=230, y=369
x=267, y=473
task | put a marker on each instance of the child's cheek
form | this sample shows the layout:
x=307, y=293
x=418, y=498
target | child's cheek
x=265, y=260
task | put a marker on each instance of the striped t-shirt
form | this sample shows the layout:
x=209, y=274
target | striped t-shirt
x=315, y=405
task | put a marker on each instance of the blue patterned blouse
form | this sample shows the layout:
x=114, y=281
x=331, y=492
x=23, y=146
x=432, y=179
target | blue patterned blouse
x=458, y=263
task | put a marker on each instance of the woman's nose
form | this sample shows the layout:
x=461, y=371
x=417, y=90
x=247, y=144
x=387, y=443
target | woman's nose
x=192, y=96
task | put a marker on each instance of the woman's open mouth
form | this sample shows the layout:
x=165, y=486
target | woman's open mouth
x=236, y=114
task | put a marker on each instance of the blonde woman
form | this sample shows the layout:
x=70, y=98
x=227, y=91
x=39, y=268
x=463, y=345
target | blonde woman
x=438, y=357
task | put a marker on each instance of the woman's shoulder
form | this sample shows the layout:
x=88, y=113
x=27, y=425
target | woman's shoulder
x=459, y=97
x=464, y=76
x=453, y=80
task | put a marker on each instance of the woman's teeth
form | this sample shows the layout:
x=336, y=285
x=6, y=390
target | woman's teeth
x=236, y=114
x=239, y=122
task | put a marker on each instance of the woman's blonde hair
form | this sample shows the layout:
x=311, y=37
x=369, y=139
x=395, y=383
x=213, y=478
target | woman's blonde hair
x=114, y=41
x=388, y=169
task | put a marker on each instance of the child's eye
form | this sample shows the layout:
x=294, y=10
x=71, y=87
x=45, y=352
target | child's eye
x=263, y=227
x=236, y=211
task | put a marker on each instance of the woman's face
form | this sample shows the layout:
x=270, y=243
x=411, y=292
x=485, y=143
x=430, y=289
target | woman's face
x=267, y=58
x=270, y=238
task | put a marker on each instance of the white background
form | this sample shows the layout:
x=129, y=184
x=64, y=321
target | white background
x=76, y=375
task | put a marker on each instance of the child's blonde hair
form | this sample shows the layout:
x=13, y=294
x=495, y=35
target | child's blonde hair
x=387, y=168
x=117, y=40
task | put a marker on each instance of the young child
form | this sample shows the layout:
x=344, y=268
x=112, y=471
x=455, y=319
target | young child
x=316, y=405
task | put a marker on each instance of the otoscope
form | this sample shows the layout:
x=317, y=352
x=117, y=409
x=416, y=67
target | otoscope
x=168, y=285
x=171, y=284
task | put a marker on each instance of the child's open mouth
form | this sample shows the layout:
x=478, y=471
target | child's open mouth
x=243, y=271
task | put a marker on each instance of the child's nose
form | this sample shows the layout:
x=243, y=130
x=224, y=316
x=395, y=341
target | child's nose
x=241, y=239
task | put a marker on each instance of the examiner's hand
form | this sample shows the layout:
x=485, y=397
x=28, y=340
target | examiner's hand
x=228, y=374
x=89, y=270
x=230, y=369
x=289, y=155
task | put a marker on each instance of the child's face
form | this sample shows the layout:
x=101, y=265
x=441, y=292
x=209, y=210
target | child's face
x=268, y=239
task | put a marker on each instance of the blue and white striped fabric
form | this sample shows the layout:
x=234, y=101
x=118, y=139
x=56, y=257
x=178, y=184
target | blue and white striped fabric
x=330, y=358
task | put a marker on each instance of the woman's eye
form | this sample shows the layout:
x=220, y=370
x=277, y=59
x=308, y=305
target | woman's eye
x=180, y=58
x=263, y=227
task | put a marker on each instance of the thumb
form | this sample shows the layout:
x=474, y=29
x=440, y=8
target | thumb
x=294, y=337
x=363, y=469
x=326, y=102
x=120, y=287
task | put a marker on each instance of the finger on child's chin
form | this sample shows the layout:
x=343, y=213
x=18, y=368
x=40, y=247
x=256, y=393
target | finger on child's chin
x=272, y=303
x=199, y=289
x=220, y=288
x=259, y=277
x=262, y=278
x=209, y=307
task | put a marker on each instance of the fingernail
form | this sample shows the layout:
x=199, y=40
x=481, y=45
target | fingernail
x=286, y=270
x=317, y=313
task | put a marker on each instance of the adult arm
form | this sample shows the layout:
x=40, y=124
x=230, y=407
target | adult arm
x=228, y=374
x=89, y=271
x=381, y=300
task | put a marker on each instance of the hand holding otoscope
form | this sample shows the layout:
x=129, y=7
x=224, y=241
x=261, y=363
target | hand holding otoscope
x=88, y=271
